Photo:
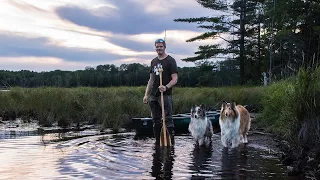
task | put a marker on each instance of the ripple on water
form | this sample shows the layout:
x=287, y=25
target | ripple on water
x=123, y=156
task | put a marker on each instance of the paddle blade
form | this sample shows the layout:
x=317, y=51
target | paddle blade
x=165, y=139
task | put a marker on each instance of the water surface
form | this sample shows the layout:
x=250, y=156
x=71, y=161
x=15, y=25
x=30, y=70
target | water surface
x=122, y=156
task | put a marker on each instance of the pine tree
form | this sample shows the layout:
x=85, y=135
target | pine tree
x=239, y=19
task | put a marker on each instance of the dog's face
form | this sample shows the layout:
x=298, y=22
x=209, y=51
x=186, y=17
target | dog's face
x=198, y=112
x=228, y=110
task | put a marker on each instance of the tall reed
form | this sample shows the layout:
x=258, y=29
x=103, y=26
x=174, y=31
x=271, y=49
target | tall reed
x=111, y=107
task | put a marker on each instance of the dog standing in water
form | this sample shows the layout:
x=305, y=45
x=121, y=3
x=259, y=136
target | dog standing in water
x=200, y=126
x=234, y=123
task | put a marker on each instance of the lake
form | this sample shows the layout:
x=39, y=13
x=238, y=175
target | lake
x=27, y=155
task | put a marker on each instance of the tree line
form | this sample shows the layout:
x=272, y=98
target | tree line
x=222, y=73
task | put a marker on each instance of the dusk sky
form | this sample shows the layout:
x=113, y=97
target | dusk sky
x=45, y=35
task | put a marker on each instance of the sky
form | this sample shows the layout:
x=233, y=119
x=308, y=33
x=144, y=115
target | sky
x=46, y=35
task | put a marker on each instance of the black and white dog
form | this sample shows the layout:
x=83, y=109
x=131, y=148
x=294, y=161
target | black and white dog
x=200, y=126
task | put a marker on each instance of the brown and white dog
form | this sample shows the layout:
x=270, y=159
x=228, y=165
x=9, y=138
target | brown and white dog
x=200, y=126
x=234, y=123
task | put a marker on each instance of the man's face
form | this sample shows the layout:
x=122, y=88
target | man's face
x=160, y=48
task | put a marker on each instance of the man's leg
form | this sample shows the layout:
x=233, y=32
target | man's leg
x=155, y=108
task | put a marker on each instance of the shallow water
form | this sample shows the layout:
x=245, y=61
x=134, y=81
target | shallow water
x=122, y=156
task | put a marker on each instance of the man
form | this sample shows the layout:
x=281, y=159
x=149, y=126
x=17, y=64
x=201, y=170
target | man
x=153, y=90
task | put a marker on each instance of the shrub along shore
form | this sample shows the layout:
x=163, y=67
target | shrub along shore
x=288, y=108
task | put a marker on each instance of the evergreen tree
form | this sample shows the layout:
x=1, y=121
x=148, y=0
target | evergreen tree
x=293, y=35
x=238, y=19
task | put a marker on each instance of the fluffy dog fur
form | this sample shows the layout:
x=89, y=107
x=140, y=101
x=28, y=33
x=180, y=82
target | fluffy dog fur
x=200, y=126
x=234, y=124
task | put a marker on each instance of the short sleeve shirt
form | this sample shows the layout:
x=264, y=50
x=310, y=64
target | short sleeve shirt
x=169, y=67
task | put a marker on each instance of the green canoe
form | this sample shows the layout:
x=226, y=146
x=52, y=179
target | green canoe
x=144, y=126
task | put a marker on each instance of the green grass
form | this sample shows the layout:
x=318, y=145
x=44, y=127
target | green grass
x=291, y=108
x=212, y=97
x=111, y=107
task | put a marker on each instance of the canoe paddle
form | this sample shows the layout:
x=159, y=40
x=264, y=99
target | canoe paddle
x=165, y=139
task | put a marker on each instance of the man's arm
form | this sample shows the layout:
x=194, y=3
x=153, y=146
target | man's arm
x=148, y=89
x=174, y=75
x=174, y=80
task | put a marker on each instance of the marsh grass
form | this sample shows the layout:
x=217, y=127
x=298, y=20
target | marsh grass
x=278, y=115
x=111, y=107
x=291, y=108
x=213, y=97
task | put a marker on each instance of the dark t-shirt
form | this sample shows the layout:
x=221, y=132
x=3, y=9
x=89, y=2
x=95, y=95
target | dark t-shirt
x=169, y=67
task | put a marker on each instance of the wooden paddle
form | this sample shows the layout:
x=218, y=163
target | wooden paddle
x=165, y=139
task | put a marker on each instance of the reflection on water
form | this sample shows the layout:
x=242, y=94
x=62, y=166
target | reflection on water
x=201, y=158
x=123, y=156
x=233, y=164
x=162, y=163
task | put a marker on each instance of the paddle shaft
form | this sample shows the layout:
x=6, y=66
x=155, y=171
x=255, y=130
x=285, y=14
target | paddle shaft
x=163, y=133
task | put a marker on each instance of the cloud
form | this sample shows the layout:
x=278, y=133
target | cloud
x=39, y=64
x=59, y=32
x=18, y=46
x=89, y=33
x=18, y=52
x=134, y=17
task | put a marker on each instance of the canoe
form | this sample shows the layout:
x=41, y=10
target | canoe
x=144, y=126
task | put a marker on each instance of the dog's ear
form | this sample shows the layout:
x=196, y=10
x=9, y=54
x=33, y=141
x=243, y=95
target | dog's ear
x=203, y=107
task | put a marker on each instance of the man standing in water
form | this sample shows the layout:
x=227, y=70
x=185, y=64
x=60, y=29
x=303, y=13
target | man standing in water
x=153, y=90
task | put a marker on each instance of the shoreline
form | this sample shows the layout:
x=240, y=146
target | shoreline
x=304, y=164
